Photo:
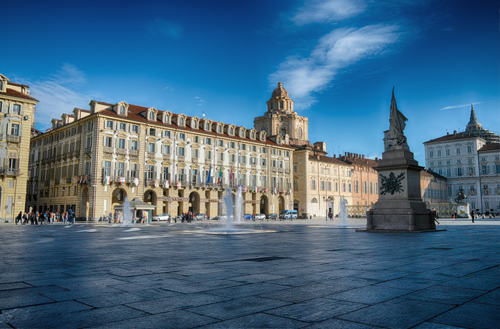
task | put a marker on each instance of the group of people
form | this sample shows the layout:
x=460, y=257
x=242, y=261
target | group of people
x=187, y=217
x=48, y=217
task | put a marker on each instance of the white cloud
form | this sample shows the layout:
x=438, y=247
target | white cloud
x=457, y=106
x=165, y=28
x=337, y=50
x=324, y=11
x=59, y=93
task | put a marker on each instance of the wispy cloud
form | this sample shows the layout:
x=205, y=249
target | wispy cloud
x=59, y=93
x=165, y=28
x=333, y=52
x=325, y=11
x=457, y=106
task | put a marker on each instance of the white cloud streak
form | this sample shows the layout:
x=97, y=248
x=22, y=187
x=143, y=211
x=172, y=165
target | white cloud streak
x=335, y=51
x=457, y=106
x=165, y=28
x=59, y=93
x=325, y=11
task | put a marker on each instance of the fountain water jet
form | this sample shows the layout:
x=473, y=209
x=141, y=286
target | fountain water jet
x=128, y=216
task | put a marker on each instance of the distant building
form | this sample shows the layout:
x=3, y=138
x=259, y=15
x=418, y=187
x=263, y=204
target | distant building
x=17, y=112
x=470, y=160
x=433, y=187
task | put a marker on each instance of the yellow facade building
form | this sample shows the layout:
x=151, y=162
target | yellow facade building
x=91, y=160
x=17, y=112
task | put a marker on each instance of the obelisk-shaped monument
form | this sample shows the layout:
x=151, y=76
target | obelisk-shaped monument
x=400, y=207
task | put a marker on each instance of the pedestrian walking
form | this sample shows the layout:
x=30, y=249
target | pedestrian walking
x=25, y=219
x=19, y=218
x=473, y=215
x=330, y=215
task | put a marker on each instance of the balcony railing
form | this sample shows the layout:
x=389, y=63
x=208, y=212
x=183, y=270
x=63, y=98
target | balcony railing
x=88, y=150
x=10, y=172
x=13, y=139
x=134, y=152
x=68, y=180
x=166, y=156
x=151, y=155
x=121, y=151
x=108, y=149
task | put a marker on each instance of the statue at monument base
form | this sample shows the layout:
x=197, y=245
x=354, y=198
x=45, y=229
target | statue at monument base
x=400, y=207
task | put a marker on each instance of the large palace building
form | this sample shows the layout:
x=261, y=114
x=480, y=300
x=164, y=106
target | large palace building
x=17, y=111
x=470, y=160
x=92, y=159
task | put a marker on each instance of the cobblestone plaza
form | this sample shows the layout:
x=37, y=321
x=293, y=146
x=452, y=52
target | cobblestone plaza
x=309, y=273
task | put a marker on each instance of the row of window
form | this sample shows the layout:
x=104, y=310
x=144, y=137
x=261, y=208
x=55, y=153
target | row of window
x=12, y=108
x=326, y=170
x=470, y=171
x=447, y=151
x=327, y=186
x=486, y=190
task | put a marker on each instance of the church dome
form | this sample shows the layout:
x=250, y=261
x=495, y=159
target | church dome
x=279, y=92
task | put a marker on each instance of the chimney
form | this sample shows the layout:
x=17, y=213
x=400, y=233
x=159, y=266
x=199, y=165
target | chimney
x=454, y=132
x=317, y=156
x=363, y=156
x=376, y=158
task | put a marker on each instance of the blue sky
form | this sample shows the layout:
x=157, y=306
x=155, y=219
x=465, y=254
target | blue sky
x=338, y=59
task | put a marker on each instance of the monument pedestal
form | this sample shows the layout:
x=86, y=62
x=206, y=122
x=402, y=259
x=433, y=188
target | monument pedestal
x=463, y=210
x=400, y=207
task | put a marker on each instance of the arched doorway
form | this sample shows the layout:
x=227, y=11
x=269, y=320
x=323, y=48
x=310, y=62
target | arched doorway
x=264, y=205
x=84, y=203
x=281, y=204
x=118, y=196
x=194, y=203
x=296, y=205
x=150, y=197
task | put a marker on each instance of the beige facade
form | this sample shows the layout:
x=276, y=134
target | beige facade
x=17, y=112
x=92, y=160
x=432, y=187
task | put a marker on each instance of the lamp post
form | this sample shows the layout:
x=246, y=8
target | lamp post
x=327, y=199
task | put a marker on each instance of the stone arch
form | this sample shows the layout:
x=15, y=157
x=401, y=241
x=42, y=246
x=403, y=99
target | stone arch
x=296, y=205
x=194, y=203
x=118, y=196
x=264, y=205
x=150, y=197
x=281, y=204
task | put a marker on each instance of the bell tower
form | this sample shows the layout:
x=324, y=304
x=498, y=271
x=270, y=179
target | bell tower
x=281, y=119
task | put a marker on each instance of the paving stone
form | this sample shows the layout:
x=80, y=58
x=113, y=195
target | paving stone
x=398, y=313
x=370, y=294
x=473, y=282
x=303, y=293
x=178, y=302
x=432, y=325
x=246, y=290
x=21, y=301
x=81, y=319
x=471, y=315
x=14, y=285
x=45, y=310
x=409, y=283
x=493, y=297
x=237, y=307
x=175, y=319
x=316, y=310
x=254, y=278
x=80, y=293
x=259, y=320
x=339, y=324
x=446, y=295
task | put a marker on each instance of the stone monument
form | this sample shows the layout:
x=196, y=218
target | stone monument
x=462, y=207
x=400, y=207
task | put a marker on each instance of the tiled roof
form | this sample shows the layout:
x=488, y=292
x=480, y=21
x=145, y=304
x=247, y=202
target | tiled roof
x=15, y=93
x=134, y=114
x=427, y=172
x=327, y=159
x=451, y=137
x=359, y=161
x=490, y=147
x=17, y=84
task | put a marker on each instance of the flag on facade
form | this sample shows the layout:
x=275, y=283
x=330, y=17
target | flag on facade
x=220, y=176
x=166, y=184
x=209, y=174
x=266, y=190
x=284, y=190
x=122, y=180
x=231, y=176
x=136, y=181
x=179, y=185
x=244, y=188
x=107, y=180
x=157, y=183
